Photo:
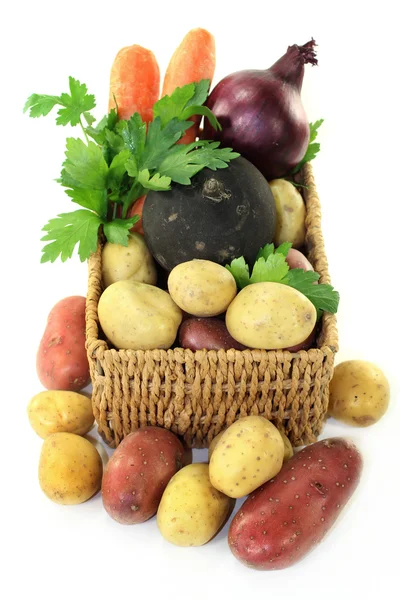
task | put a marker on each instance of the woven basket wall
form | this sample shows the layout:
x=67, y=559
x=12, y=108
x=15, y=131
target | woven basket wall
x=197, y=394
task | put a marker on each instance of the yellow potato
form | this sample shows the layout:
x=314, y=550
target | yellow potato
x=214, y=442
x=70, y=468
x=138, y=316
x=191, y=511
x=359, y=393
x=201, y=287
x=288, y=447
x=133, y=261
x=290, y=213
x=270, y=316
x=249, y=453
x=56, y=411
x=286, y=442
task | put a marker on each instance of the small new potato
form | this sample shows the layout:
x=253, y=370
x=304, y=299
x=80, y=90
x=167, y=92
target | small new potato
x=133, y=261
x=206, y=333
x=358, y=393
x=138, y=316
x=202, y=288
x=70, y=468
x=270, y=316
x=56, y=411
x=249, y=453
x=192, y=511
x=213, y=444
x=290, y=213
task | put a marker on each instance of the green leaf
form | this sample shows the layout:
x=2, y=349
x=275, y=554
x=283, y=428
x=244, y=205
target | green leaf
x=89, y=118
x=155, y=182
x=201, y=89
x=108, y=122
x=183, y=161
x=95, y=200
x=283, y=248
x=159, y=141
x=273, y=269
x=314, y=129
x=133, y=133
x=313, y=148
x=75, y=104
x=191, y=111
x=131, y=167
x=117, y=170
x=265, y=252
x=66, y=231
x=240, y=271
x=86, y=164
x=40, y=105
x=117, y=230
x=323, y=295
x=170, y=107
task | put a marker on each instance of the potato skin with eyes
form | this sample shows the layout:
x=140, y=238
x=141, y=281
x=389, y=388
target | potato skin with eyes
x=138, y=316
x=133, y=261
x=270, y=316
x=138, y=472
x=202, y=288
x=359, y=393
x=70, y=468
x=249, y=453
x=191, y=510
x=55, y=411
x=290, y=213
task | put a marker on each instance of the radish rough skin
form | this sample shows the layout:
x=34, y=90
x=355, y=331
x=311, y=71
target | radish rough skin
x=289, y=515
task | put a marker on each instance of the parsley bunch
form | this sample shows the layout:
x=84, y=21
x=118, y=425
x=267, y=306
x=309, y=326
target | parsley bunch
x=271, y=265
x=120, y=161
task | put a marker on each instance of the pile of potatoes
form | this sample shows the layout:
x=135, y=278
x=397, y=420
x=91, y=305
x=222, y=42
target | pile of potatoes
x=200, y=307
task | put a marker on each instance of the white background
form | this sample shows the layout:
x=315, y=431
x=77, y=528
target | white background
x=77, y=552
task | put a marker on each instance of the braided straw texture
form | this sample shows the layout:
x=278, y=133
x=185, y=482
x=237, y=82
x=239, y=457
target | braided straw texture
x=197, y=394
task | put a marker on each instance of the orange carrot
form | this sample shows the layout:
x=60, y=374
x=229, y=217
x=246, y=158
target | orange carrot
x=193, y=60
x=135, y=82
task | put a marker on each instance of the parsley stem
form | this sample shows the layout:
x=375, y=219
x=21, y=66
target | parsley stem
x=84, y=131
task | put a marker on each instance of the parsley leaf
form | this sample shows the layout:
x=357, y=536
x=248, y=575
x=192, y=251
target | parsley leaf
x=185, y=102
x=183, y=161
x=273, y=269
x=313, y=148
x=95, y=200
x=76, y=103
x=40, y=105
x=85, y=164
x=156, y=182
x=117, y=230
x=133, y=133
x=66, y=231
x=271, y=266
x=117, y=170
x=240, y=271
x=170, y=107
x=159, y=141
x=323, y=296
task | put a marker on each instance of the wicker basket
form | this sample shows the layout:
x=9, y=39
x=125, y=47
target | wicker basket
x=197, y=394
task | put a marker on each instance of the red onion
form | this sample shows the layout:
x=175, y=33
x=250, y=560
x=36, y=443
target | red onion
x=262, y=115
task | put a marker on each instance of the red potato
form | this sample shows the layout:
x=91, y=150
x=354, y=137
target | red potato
x=61, y=360
x=288, y=516
x=198, y=333
x=296, y=260
x=138, y=473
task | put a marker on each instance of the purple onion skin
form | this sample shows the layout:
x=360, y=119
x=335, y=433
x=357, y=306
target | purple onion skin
x=261, y=113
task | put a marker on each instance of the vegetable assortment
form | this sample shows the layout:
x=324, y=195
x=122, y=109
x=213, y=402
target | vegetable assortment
x=203, y=247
